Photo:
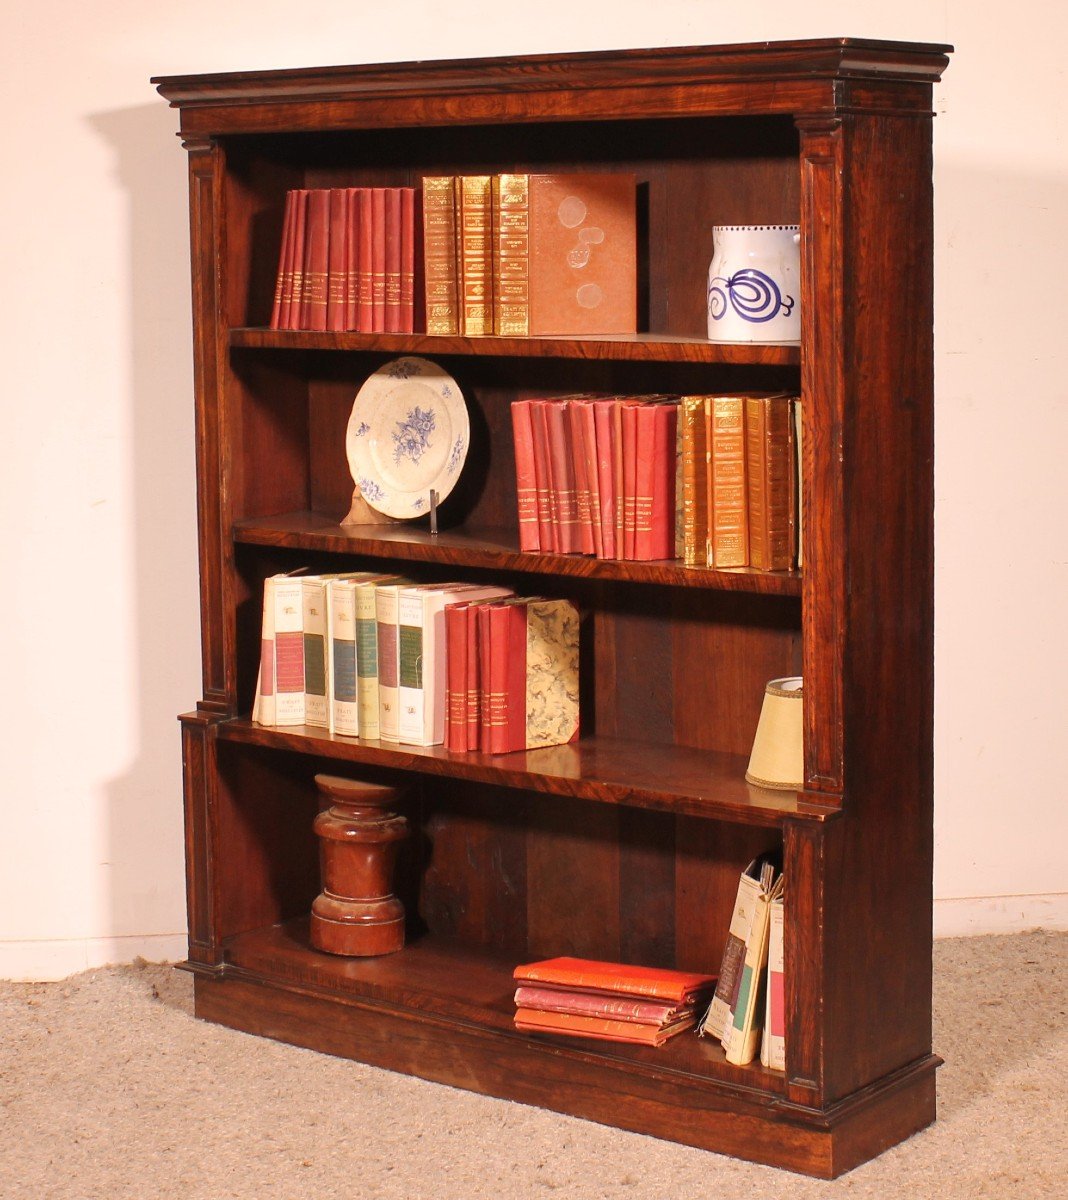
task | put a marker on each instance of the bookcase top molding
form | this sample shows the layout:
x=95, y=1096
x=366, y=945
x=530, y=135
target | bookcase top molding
x=824, y=75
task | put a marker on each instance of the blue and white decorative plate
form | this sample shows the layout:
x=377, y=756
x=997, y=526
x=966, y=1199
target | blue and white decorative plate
x=408, y=435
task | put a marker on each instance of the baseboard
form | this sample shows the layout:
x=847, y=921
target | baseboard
x=999, y=914
x=43, y=961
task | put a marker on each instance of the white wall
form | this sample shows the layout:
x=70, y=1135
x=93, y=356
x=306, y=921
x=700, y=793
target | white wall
x=100, y=637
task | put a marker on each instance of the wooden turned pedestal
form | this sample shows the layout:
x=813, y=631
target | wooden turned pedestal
x=356, y=913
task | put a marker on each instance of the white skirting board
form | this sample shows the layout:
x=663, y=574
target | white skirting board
x=42, y=961
x=977, y=915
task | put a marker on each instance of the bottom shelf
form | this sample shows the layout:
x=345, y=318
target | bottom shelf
x=440, y=978
x=443, y=1012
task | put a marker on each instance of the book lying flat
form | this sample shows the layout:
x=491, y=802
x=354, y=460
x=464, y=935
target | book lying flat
x=532, y=1020
x=681, y=987
x=594, y=1004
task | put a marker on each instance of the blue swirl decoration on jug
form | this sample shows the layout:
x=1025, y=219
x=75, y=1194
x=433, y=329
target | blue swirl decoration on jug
x=754, y=296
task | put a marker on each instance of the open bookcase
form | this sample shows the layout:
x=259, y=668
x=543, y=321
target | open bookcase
x=627, y=845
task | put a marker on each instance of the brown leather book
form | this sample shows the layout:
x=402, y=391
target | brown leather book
x=394, y=236
x=694, y=482
x=283, y=286
x=770, y=482
x=475, y=255
x=316, y=260
x=728, y=523
x=338, y=260
x=511, y=246
x=439, y=255
x=378, y=259
x=583, y=254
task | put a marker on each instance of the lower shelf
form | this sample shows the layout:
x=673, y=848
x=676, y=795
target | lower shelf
x=439, y=978
x=443, y=1012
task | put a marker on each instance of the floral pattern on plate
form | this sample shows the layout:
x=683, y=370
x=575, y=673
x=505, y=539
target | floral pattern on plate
x=408, y=434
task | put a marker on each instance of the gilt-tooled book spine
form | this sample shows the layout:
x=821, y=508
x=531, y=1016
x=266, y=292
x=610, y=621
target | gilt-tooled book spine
x=728, y=523
x=439, y=255
x=378, y=259
x=548, y=536
x=562, y=473
x=694, y=487
x=394, y=236
x=316, y=261
x=587, y=441
x=771, y=486
x=456, y=677
x=604, y=424
x=411, y=260
x=352, y=257
x=511, y=241
x=283, y=286
x=476, y=255
x=338, y=258
x=526, y=480
x=290, y=317
x=365, y=303
x=579, y=470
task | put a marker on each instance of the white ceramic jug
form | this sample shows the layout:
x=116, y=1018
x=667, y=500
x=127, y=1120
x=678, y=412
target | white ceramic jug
x=754, y=284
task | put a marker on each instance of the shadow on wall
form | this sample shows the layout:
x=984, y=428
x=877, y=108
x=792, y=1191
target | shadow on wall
x=145, y=839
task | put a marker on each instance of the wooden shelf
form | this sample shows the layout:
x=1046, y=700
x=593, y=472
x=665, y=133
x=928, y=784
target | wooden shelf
x=676, y=779
x=644, y=347
x=494, y=549
x=448, y=981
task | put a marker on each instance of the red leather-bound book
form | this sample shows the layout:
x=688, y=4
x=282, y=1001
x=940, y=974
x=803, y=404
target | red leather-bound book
x=456, y=677
x=394, y=237
x=602, y=1028
x=473, y=675
x=604, y=423
x=281, y=279
x=643, y=449
x=591, y=1004
x=547, y=534
x=583, y=505
x=629, y=437
x=338, y=260
x=365, y=281
x=316, y=260
x=411, y=294
x=485, y=683
x=526, y=479
x=562, y=473
x=290, y=316
x=662, y=512
x=378, y=259
x=681, y=987
x=352, y=257
x=585, y=416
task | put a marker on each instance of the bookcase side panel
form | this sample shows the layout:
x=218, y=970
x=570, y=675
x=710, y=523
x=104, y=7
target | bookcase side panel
x=879, y=885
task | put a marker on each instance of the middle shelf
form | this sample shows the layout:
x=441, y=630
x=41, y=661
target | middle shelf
x=495, y=549
x=676, y=779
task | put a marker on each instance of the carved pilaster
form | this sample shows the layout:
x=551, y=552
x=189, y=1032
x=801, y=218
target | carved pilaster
x=199, y=776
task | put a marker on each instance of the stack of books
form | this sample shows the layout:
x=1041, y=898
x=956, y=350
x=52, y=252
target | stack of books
x=747, y=1012
x=610, y=1001
x=531, y=255
x=381, y=657
x=597, y=475
x=711, y=480
x=349, y=260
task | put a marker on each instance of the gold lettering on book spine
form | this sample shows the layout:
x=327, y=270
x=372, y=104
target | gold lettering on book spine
x=511, y=195
x=439, y=250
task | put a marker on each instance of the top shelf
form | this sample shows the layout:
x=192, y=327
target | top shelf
x=637, y=348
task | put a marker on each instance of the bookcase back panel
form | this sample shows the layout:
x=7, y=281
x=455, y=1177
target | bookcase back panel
x=535, y=876
x=692, y=173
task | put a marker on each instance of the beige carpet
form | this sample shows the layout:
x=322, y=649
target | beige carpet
x=110, y=1088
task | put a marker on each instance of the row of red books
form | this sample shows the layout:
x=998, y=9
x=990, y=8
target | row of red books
x=596, y=475
x=348, y=260
x=512, y=674
x=609, y=1001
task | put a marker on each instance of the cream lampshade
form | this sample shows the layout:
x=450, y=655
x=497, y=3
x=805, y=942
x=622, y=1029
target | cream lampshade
x=778, y=759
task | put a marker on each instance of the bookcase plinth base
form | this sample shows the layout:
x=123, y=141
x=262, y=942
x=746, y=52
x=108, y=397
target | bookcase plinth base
x=711, y=1115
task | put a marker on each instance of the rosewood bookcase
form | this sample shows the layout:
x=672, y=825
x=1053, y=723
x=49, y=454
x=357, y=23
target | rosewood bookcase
x=627, y=845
